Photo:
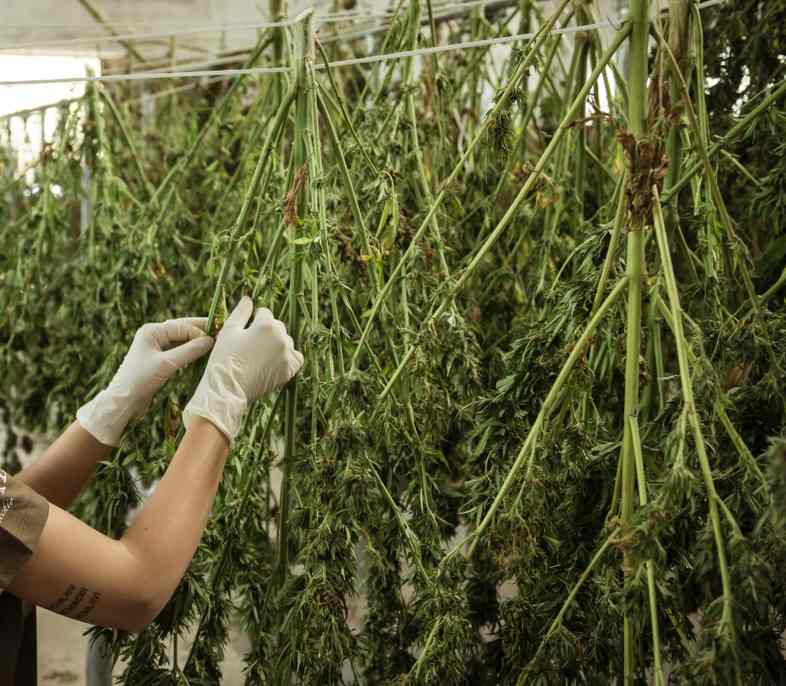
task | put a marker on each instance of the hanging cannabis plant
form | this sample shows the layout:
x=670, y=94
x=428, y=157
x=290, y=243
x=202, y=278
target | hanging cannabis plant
x=539, y=435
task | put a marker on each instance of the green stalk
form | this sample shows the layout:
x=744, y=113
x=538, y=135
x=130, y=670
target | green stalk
x=720, y=206
x=616, y=231
x=582, y=44
x=362, y=103
x=736, y=164
x=566, y=605
x=657, y=358
x=719, y=405
x=251, y=191
x=409, y=536
x=554, y=212
x=678, y=29
x=528, y=186
x=215, y=116
x=120, y=120
x=316, y=174
x=278, y=11
x=373, y=272
x=637, y=102
x=96, y=14
x=305, y=53
x=341, y=105
x=693, y=418
x=251, y=141
x=739, y=443
x=261, y=165
x=420, y=168
x=773, y=290
x=101, y=168
x=437, y=103
x=501, y=102
x=519, y=147
x=424, y=185
x=545, y=410
x=741, y=125
x=641, y=479
x=479, y=55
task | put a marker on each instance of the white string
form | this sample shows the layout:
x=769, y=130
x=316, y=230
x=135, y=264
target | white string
x=143, y=76
x=440, y=11
x=145, y=36
x=327, y=18
x=151, y=76
x=467, y=45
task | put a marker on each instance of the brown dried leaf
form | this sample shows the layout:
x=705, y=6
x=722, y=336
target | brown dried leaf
x=291, y=217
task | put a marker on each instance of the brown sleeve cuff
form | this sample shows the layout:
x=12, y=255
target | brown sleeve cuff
x=23, y=514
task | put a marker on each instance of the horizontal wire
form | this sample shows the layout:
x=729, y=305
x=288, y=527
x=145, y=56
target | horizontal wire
x=152, y=76
x=467, y=45
x=327, y=18
x=144, y=76
x=144, y=36
x=224, y=73
x=440, y=11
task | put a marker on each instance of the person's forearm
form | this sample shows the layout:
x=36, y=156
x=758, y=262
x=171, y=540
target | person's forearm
x=166, y=533
x=64, y=468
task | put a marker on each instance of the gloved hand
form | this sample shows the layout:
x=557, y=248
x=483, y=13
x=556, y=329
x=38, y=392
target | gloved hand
x=246, y=363
x=149, y=362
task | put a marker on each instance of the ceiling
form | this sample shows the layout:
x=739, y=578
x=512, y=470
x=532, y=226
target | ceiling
x=203, y=28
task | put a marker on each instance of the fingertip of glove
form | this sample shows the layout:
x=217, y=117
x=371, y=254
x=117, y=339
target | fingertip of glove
x=239, y=317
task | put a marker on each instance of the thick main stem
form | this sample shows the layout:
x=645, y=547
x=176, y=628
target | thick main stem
x=303, y=119
x=641, y=479
x=637, y=103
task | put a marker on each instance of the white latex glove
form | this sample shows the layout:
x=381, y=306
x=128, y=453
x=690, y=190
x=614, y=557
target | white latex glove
x=246, y=363
x=149, y=362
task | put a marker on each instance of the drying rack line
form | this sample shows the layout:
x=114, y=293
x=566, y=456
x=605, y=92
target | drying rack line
x=441, y=13
x=144, y=36
x=325, y=19
x=383, y=57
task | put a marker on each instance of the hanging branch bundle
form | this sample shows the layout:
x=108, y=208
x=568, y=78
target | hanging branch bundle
x=517, y=452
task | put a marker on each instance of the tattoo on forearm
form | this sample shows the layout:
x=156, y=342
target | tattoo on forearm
x=77, y=604
x=90, y=606
x=63, y=599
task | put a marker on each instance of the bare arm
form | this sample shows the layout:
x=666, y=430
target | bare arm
x=124, y=584
x=64, y=468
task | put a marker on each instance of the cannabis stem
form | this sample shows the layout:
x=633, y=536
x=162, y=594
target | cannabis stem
x=637, y=103
x=690, y=406
x=548, y=404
